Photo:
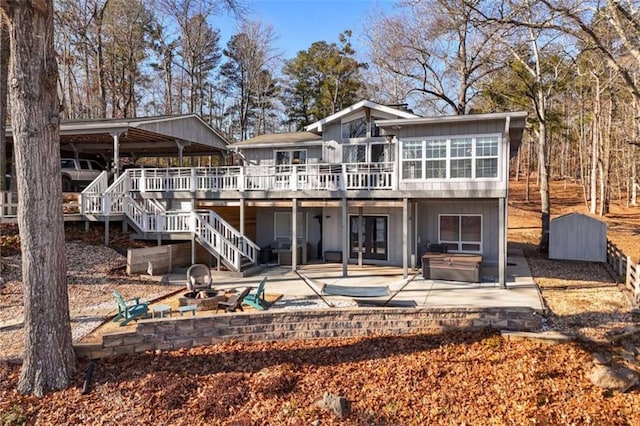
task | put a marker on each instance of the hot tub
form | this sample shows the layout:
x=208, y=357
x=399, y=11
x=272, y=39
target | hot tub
x=451, y=267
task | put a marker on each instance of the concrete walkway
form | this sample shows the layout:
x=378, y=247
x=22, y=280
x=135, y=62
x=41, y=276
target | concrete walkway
x=521, y=290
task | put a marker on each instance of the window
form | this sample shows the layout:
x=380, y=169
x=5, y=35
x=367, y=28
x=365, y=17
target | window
x=412, y=160
x=461, y=154
x=486, y=157
x=436, y=155
x=285, y=159
x=461, y=233
x=359, y=128
x=450, y=158
x=368, y=153
x=354, y=153
x=355, y=128
x=282, y=226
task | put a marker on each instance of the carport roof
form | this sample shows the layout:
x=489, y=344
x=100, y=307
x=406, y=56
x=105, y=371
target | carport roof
x=140, y=137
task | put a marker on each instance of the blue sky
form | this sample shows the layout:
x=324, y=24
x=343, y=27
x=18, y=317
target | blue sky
x=299, y=23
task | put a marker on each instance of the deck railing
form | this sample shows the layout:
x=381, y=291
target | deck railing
x=328, y=177
x=91, y=197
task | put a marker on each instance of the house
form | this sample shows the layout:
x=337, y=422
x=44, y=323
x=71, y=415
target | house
x=371, y=184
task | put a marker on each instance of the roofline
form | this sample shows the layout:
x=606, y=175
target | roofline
x=452, y=118
x=237, y=145
x=105, y=125
x=317, y=126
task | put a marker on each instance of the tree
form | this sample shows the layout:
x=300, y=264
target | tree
x=438, y=53
x=323, y=80
x=4, y=69
x=247, y=72
x=539, y=58
x=49, y=359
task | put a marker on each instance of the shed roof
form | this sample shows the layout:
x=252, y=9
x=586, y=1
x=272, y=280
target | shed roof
x=142, y=136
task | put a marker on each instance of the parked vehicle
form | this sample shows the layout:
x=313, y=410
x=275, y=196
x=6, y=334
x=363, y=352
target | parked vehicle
x=77, y=173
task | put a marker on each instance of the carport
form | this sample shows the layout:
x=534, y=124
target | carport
x=117, y=138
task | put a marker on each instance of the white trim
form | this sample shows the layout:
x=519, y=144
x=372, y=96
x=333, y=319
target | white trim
x=317, y=126
x=460, y=242
x=455, y=118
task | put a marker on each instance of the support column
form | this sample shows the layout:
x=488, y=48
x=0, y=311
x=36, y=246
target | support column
x=294, y=234
x=360, y=242
x=242, y=216
x=414, y=240
x=345, y=237
x=405, y=236
x=502, y=243
x=116, y=154
x=106, y=231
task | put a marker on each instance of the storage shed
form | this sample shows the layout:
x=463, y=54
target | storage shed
x=578, y=237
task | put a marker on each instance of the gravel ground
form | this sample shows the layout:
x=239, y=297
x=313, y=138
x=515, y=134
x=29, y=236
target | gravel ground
x=93, y=272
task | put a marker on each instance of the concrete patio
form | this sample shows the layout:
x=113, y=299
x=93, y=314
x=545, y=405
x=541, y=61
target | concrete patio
x=521, y=290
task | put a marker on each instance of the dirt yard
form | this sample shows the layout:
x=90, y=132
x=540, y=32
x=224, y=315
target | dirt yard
x=453, y=378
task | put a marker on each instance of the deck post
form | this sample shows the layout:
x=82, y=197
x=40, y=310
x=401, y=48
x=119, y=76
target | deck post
x=294, y=234
x=106, y=231
x=116, y=154
x=345, y=236
x=242, y=216
x=502, y=243
x=405, y=236
x=360, y=232
x=414, y=239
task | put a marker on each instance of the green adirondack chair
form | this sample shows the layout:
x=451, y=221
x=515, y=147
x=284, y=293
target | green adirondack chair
x=130, y=309
x=256, y=298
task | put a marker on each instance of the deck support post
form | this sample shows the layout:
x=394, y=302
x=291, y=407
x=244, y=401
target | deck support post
x=414, y=239
x=360, y=235
x=345, y=237
x=502, y=242
x=405, y=237
x=294, y=234
x=106, y=231
x=242, y=216
x=193, y=248
x=116, y=154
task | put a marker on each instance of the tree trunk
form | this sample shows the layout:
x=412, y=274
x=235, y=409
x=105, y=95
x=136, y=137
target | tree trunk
x=4, y=70
x=595, y=149
x=49, y=360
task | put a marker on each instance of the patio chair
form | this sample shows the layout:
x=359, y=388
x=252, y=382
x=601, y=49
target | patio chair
x=130, y=309
x=234, y=302
x=198, y=278
x=256, y=299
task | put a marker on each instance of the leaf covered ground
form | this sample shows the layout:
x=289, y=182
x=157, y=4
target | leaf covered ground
x=455, y=378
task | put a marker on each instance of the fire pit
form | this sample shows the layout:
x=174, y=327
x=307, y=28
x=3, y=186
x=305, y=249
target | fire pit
x=204, y=300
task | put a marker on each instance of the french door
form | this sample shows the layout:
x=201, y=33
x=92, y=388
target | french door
x=375, y=237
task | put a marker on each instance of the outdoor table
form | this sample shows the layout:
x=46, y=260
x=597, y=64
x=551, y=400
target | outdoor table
x=161, y=310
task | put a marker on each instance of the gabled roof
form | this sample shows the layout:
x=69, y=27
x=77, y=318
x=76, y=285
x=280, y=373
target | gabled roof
x=386, y=110
x=280, y=140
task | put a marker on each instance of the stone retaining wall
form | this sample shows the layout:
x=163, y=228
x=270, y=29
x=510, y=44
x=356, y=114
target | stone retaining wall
x=190, y=331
